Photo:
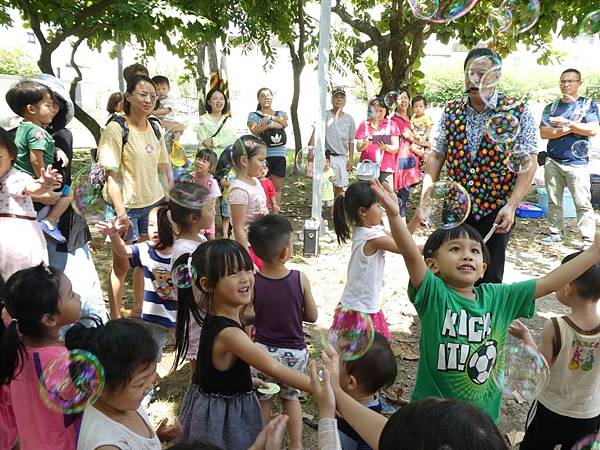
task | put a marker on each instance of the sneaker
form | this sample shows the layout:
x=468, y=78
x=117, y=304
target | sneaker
x=552, y=239
x=52, y=232
x=586, y=244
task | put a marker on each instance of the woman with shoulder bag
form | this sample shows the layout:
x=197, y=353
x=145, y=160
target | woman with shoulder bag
x=270, y=125
x=215, y=130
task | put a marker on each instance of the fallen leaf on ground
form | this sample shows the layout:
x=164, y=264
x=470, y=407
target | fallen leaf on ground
x=394, y=395
x=518, y=397
x=308, y=416
x=404, y=350
x=515, y=437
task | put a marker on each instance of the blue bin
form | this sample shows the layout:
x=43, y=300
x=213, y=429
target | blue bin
x=569, y=211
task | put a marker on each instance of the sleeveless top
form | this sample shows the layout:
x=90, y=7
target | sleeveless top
x=573, y=388
x=279, y=307
x=408, y=164
x=211, y=380
x=484, y=175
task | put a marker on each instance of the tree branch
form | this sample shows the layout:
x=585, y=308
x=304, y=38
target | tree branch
x=359, y=25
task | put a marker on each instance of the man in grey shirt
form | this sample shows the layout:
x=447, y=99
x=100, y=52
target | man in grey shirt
x=339, y=139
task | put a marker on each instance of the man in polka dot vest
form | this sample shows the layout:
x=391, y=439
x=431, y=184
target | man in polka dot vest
x=477, y=135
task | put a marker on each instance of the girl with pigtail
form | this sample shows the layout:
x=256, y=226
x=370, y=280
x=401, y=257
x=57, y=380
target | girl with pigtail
x=220, y=407
x=358, y=207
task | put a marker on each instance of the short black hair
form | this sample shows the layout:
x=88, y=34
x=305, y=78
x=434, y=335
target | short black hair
x=7, y=141
x=418, y=98
x=375, y=369
x=573, y=71
x=378, y=101
x=27, y=92
x=209, y=95
x=161, y=79
x=481, y=51
x=269, y=235
x=134, y=69
x=208, y=155
x=440, y=423
x=131, y=85
x=113, y=101
x=122, y=346
x=441, y=235
x=587, y=284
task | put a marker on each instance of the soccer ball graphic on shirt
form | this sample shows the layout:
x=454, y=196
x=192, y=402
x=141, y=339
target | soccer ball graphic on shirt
x=482, y=362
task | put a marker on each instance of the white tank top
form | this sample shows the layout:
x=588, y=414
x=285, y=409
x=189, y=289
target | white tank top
x=573, y=388
x=365, y=273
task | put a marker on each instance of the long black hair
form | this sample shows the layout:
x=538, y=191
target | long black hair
x=345, y=208
x=212, y=260
x=122, y=346
x=29, y=295
x=165, y=230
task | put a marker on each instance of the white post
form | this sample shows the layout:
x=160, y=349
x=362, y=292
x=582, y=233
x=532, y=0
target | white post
x=119, y=48
x=322, y=69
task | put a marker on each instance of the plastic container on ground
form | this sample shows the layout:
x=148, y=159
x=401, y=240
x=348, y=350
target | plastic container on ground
x=568, y=205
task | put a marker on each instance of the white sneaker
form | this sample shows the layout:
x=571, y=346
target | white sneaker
x=551, y=240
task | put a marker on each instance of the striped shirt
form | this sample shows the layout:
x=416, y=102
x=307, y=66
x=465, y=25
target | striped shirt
x=160, y=301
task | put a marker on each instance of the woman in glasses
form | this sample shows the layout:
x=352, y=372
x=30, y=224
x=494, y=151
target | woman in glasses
x=132, y=151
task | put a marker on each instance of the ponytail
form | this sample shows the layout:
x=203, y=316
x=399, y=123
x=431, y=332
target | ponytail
x=340, y=224
x=29, y=295
x=346, y=206
x=165, y=230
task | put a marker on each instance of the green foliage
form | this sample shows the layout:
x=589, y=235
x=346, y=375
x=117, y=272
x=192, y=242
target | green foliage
x=15, y=61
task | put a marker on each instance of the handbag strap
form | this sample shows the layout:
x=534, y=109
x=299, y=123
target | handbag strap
x=220, y=126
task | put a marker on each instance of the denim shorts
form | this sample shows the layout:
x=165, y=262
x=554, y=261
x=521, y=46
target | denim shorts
x=137, y=216
x=225, y=208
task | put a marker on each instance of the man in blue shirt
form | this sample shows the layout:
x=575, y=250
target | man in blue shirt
x=568, y=124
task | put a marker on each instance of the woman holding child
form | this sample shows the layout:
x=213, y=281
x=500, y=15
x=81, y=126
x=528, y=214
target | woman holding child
x=133, y=168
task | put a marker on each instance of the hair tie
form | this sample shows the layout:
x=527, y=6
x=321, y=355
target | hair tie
x=184, y=274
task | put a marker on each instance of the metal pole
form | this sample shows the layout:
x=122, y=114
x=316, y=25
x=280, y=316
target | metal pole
x=119, y=48
x=313, y=225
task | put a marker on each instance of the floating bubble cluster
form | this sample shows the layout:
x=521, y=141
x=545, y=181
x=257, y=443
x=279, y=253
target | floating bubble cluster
x=581, y=148
x=519, y=159
x=503, y=127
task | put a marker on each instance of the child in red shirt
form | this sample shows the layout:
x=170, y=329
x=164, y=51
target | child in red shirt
x=269, y=189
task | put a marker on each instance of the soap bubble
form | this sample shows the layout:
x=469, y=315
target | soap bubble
x=304, y=161
x=581, y=148
x=488, y=83
x=519, y=159
x=590, y=24
x=566, y=107
x=351, y=334
x=455, y=9
x=424, y=9
x=71, y=382
x=391, y=98
x=446, y=204
x=525, y=372
x=499, y=20
x=187, y=193
x=477, y=68
x=503, y=127
x=590, y=442
x=525, y=13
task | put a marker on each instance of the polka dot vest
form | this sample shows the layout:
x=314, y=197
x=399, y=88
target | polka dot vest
x=484, y=175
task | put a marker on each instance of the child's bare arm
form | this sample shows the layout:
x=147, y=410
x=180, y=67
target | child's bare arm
x=37, y=161
x=275, y=204
x=311, y=313
x=162, y=111
x=48, y=179
x=412, y=256
x=567, y=272
x=519, y=330
x=546, y=347
x=113, y=230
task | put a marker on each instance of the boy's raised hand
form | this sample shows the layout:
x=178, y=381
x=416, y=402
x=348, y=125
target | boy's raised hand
x=519, y=330
x=49, y=177
x=386, y=197
x=331, y=360
x=322, y=391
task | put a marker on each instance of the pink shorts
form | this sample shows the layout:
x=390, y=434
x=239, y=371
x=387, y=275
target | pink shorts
x=379, y=323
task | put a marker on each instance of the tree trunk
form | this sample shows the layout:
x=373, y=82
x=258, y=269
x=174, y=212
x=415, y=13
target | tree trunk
x=201, y=78
x=213, y=61
x=298, y=63
x=88, y=121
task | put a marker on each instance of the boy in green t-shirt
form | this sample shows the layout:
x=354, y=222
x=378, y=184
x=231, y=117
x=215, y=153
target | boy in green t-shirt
x=35, y=103
x=463, y=326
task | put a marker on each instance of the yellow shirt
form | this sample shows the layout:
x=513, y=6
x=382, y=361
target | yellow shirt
x=136, y=162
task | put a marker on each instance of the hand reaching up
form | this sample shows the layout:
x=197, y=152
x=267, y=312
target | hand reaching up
x=109, y=228
x=386, y=197
x=271, y=436
x=321, y=389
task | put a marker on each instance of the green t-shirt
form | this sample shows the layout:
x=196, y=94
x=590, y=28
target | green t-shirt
x=29, y=137
x=463, y=340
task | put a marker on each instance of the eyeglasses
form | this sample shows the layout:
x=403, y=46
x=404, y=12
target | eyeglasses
x=569, y=81
x=145, y=95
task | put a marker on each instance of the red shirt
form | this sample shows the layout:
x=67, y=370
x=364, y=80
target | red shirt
x=269, y=189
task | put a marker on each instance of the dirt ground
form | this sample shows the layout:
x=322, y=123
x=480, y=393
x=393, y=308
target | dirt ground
x=327, y=274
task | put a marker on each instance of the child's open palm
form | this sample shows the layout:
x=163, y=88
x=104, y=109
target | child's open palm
x=386, y=197
x=109, y=228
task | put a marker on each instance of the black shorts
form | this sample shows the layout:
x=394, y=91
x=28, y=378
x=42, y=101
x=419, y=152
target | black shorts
x=277, y=166
x=546, y=429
